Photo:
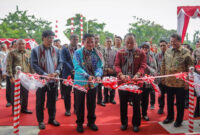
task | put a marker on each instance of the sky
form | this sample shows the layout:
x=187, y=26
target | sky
x=117, y=14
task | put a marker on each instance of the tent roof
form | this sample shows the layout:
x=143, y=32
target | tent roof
x=191, y=11
x=30, y=43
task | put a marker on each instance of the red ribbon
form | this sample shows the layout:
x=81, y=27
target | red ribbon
x=69, y=81
x=197, y=66
x=110, y=82
x=155, y=86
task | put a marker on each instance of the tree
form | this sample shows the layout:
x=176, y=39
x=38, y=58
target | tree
x=90, y=26
x=145, y=30
x=21, y=25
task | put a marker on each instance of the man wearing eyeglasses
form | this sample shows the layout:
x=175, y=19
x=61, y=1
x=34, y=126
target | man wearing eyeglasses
x=45, y=60
x=176, y=59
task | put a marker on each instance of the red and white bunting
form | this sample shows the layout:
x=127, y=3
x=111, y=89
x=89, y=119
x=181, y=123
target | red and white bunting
x=81, y=28
x=72, y=25
x=56, y=29
x=184, y=13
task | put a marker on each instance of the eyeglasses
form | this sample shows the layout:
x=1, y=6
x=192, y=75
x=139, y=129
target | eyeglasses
x=50, y=37
x=145, y=47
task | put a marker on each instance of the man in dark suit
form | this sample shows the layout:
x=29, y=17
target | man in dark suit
x=45, y=60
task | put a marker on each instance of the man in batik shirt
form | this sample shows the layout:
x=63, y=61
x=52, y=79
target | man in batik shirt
x=88, y=66
x=176, y=59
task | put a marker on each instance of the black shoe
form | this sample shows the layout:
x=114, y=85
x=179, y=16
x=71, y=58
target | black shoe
x=105, y=101
x=67, y=113
x=196, y=115
x=80, y=129
x=8, y=104
x=152, y=107
x=160, y=111
x=131, y=103
x=124, y=127
x=41, y=125
x=146, y=118
x=113, y=102
x=101, y=103
x=136, y=129
x=93, y=127
x=176, y=124
x=54, y=123
x=26, y=111
x=186, y=106
x=167, y=121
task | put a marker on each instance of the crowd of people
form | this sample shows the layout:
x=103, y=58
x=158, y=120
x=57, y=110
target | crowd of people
x=121, y=58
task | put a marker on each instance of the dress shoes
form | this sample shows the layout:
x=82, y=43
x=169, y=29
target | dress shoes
x=136, y=129
x=176, y=124
x=54, y=123
x=93, y=127
x=67, y=113
x=105, y=101
x=26, y=111
x=160, y=111
x=131, y=103
x=80, y=129
x=8, y=104
x=146, y=118
x=152, y=107
x=167, y=121
x=113, y=102
x=101, y=103
x=41, y=125
x=124, y=127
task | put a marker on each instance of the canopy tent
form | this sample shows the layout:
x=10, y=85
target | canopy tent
x=184, y=13
x=30, y=43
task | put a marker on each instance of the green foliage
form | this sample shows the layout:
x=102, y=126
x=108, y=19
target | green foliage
x=21, y=25
x=90, y=26
x=145, y=30
x=196, y=36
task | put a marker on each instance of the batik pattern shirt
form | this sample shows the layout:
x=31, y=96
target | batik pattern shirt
x=81, y=70
x=18, y=58
x=176, y=61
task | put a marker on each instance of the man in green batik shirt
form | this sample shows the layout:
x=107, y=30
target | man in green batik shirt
x=19, y=57
x=176, y=59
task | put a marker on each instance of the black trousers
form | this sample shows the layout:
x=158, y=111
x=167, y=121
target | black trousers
x=50, y=88
x=67, y=96
x=61, y=89
x=187, y=98
x=180, y=103
x=197, y=108
x=108, y=97
x=23, y=97
x=152, y=97
x=161, y=98
x=99, y=93
x=80, y=105
x=124, y=97
x=8, y=90
x=145, y=100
